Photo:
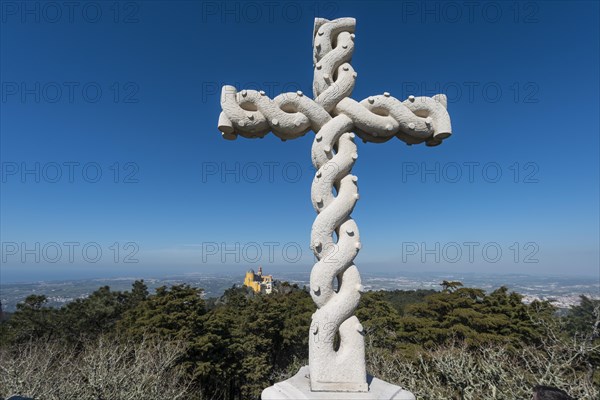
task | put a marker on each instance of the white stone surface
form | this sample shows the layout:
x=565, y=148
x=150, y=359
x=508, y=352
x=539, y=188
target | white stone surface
x=336, y=119
x=298, y=388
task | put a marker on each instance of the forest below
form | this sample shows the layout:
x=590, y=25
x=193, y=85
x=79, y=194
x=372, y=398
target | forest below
x=456, y=343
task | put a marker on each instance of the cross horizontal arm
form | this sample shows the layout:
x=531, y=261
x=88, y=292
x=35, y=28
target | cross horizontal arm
x=253, y=114
x=416, y=120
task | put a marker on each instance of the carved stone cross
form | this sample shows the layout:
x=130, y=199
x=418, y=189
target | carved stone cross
x=335, y=284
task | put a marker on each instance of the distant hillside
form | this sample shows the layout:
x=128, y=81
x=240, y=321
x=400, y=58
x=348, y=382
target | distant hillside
x=564, y=292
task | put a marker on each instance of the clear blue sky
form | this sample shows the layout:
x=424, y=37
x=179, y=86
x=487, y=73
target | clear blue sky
x=134, y=89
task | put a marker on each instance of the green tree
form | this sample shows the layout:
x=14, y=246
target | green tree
x=468, y=314
x=450, y=286
x=92, y=316
x=380, y=320
x=139, y=293
x=248, y=337
x=584, y=319
x=174, y=312
x=32, y=320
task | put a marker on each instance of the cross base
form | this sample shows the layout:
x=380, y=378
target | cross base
x=298, y=388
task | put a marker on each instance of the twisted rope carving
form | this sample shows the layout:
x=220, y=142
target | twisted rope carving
x=333, y=115
x=333, y=155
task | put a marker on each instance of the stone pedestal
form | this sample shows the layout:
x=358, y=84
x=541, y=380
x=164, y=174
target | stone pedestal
x=298, y=388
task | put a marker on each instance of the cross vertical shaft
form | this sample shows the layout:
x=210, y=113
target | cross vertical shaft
x=333, y=155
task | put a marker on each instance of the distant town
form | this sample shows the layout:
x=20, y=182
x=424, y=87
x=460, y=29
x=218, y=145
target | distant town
x=563, y=292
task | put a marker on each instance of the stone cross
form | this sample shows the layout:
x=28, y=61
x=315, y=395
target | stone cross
x=335, y=118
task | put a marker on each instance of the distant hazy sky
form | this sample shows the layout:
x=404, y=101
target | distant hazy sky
x=109, y=137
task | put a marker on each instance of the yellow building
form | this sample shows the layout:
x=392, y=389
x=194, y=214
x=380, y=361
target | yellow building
x=259, y=282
